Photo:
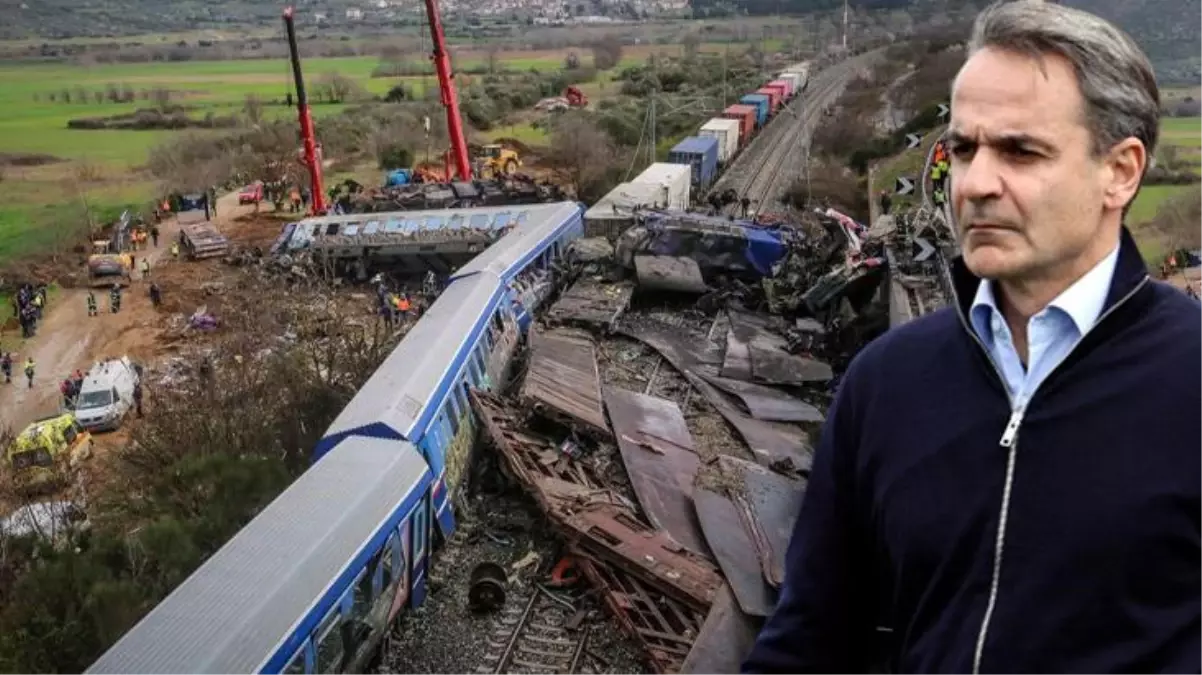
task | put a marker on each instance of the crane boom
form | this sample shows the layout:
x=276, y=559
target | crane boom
x=450, y=101
x=308, y=138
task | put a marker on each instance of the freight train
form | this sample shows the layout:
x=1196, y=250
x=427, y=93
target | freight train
x=696, y=162
x=314, y=582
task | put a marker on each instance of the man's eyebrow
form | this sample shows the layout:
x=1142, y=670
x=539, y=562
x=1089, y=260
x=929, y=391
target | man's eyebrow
x=1005, y=139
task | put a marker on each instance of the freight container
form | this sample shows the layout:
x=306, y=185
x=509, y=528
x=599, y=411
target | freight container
x=802, y=70
x=774, y=97
x=701, y=153
x=727, y=133
x=745, y=116
x=615, y=212
x=673, y=180
x=760, y=101
x=794, y=81
x=785, y=84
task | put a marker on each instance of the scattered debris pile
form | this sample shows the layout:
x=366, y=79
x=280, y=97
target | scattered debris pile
x=511, y=190
x=658, y=521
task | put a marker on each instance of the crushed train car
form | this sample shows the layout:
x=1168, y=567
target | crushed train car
x=707, y=246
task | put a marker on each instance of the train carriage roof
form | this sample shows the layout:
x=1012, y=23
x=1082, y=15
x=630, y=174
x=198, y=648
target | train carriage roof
x=233, y=612
x=508, y=256
x=394, y=400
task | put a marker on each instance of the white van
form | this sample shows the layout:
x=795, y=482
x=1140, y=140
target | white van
x=107, y=394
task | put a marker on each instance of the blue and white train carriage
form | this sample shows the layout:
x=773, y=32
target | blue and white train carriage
x=309, y=585
x=312, y=584
x=466, y=339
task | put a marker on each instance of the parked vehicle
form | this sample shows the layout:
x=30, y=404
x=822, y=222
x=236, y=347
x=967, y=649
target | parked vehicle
x=43, y=454
x=107, y=394
x=251, y=194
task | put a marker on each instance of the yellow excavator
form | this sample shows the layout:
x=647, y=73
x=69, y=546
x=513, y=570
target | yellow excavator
x=106, y=267
x=496, y=160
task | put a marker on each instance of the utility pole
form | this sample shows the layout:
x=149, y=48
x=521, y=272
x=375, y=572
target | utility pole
x=845, y=27
x=651, y=149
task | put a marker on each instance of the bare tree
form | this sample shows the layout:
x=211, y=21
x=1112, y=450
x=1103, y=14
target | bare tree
x=337, y=88
x=607, y=53
x=582, y=153
x=253, y=108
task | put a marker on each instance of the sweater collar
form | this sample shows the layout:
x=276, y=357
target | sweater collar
x=1129, y=271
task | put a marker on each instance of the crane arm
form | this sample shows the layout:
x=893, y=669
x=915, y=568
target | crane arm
x=446, y=87
x=308, y=137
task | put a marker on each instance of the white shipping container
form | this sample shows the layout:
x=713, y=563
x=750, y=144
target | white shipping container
x=727, y=133
x=674, y=179
x=615, y=212
x=794, y=81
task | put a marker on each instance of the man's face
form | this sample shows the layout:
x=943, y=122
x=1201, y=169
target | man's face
x=1027, y=192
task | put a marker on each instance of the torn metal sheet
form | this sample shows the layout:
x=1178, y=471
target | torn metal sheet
x=767, y=352
x=677, y=346
x=737, y=362
x=665, y=628
x=727, y=538
x=661, y=461
x=726, y=638
x=562, y=378
x=593, y=303
x=769, y=504
x=614, y=534
x=767, y=403
x=669, y=273
x=592, y=517
x=774, y=444
x=781, y=446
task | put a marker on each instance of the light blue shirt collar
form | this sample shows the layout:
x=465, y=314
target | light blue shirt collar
x=1082, y=302
x=1051, y=333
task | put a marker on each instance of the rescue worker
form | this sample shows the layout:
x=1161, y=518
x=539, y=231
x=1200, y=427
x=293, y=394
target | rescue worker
x=145, y=268
x=886, y=203
x=156, y=295
x=30, y=366
x=67, y=390
x=138, y=397
x=154, y=235
x=745, y=204
x=403, y=306
x=91, y=303
x=115, y=298
x=77, y=381
x=39, y=301
x=6, y=365
x=175, y=250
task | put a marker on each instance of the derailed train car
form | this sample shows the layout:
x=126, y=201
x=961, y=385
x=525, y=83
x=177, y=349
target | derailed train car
x=313, y=582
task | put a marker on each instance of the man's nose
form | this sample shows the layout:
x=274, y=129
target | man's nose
x=976, y=179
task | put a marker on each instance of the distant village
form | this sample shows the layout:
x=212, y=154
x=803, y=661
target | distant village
x=542, y=12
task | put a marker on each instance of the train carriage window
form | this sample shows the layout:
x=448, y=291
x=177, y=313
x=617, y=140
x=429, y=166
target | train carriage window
x=329, y=643
x=445, y=429
x=296, y=665
x=362, y=600
x=452, y=413
x=388, y=562
x=461, y=396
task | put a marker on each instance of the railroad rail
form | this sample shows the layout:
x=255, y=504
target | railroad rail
x=756, y=174
x=534, y=636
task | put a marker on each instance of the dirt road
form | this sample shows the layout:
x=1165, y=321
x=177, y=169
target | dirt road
x=68, y=338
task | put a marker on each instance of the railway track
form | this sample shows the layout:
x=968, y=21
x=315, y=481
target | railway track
x=532, y=635
x=759, y=173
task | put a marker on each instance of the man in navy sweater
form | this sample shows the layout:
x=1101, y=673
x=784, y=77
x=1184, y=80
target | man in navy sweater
x=1012, y=484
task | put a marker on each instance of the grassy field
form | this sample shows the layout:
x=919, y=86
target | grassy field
x=37, y=204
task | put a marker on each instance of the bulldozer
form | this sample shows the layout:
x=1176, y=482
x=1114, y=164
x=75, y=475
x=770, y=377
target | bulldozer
x=107, y=267
x=496, y=160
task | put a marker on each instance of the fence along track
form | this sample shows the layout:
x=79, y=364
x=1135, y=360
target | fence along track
x=531, y=636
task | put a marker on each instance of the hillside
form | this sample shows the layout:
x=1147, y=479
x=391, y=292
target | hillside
x=1168, y=29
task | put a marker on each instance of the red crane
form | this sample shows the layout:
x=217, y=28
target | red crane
x=442, y=66
x=311, y=160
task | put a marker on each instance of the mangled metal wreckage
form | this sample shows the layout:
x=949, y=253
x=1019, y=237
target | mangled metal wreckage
x=667, y=567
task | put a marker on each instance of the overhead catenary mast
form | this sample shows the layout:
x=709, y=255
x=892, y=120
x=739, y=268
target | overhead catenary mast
x=311, y=160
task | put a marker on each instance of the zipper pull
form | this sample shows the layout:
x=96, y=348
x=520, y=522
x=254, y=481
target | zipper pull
x=1016, y=419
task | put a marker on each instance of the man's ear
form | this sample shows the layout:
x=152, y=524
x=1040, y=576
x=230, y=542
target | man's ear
x=1125, y=164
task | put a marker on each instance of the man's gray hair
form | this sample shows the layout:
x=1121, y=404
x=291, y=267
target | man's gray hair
x=1115, y=77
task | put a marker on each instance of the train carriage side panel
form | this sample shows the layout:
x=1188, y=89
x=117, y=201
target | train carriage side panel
x=542, y=226
x=256, y=604
x=395, y=402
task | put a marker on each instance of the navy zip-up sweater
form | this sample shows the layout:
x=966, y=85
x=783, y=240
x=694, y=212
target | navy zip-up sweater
x=1094, y=563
